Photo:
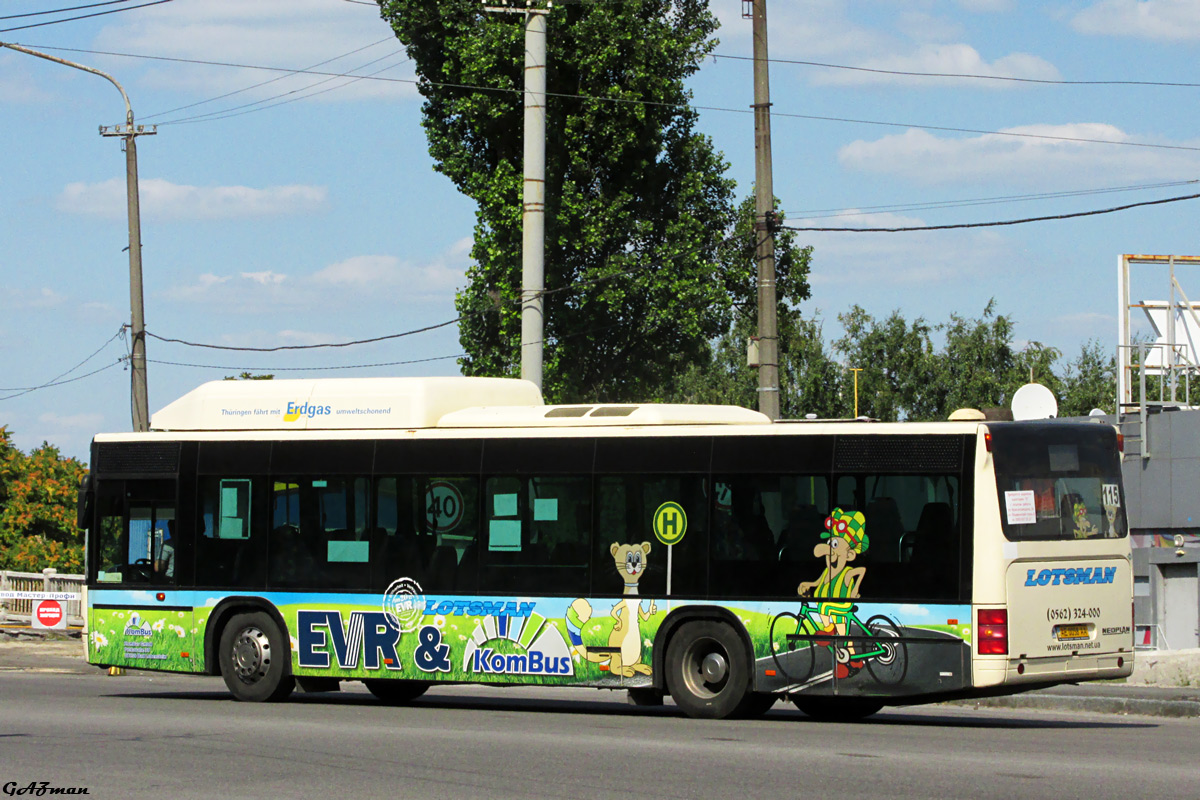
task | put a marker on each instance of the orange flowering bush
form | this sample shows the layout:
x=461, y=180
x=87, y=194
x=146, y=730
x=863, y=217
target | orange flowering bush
x=38, y=495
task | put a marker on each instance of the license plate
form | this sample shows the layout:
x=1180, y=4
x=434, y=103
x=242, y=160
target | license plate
x=1069, y=632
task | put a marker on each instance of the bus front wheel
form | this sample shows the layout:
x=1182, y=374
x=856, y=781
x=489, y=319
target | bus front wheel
x=254, y=659
x=707, y=670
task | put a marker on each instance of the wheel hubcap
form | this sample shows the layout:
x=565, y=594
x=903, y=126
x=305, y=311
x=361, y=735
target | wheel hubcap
x=707, y=668
x=251, y=655
x=714, y=667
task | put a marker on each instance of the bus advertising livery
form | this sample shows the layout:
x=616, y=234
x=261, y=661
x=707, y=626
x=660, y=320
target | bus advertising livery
x=409, y=532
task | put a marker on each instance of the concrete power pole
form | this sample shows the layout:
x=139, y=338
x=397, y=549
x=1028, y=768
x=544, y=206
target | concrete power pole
x=138, y=394
x=764, y=215
x=533, y=193
x=137, y=356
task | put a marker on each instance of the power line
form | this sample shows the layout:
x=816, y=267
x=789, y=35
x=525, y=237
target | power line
x=264, y=83
x=996, y=224
x=655, y=103
x=308, y=369
x=305, y=346
x=822, y=213
x=63, y=10
x=118, y=362
x=236, y=111
x=574, y=286
x=83, y=16
x=26, y=389
x=964, y=75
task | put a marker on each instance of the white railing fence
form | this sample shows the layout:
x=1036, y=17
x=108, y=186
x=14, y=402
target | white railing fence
x=48, y=580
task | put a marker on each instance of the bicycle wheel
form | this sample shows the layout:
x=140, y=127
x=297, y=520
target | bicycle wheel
x=890, y=666
x=794, y=659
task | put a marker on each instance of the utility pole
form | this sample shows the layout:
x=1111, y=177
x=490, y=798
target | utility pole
x=533, y=193
x=764, y=218
x=137, y=362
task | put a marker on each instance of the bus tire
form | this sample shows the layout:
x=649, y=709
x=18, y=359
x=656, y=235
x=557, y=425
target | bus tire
x=254, y=659
x=395, y=692
x=707, y=670
x=837, y=709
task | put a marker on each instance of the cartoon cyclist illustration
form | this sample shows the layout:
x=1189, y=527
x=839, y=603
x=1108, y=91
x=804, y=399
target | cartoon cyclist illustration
x=847, y=538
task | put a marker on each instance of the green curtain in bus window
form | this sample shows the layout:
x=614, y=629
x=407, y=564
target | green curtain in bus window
x=504, y=521
x=234, y=513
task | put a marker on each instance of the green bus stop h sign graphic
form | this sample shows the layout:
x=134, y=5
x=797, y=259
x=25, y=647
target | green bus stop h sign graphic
x=670, y=523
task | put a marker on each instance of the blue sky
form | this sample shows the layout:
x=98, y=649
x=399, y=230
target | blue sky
x=314, y=214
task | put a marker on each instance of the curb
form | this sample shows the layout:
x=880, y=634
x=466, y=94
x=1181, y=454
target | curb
x=1096, y=705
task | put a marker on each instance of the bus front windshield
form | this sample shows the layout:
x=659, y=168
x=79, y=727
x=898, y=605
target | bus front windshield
x=1058, y=480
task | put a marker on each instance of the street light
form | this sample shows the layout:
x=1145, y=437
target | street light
x=128, y=132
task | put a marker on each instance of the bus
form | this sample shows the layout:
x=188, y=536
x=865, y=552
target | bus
x=410, y=532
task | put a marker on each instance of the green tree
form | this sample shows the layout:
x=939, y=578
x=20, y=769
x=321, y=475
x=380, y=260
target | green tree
x=810, y=381
x=980, y=368
x=37, y=508
x=897, y=364
x=637, y=202
x=249, y=376
x=1090, y=381
x=906, y=376
x=808, y=377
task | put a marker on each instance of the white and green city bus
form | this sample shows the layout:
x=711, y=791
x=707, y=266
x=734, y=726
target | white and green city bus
x=413, y=532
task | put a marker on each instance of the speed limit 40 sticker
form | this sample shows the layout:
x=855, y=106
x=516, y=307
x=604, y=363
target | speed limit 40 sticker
x=443, y=506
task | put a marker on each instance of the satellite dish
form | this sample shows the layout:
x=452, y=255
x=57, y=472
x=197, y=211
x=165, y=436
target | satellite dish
x=1034, y=401
x=1096, y=412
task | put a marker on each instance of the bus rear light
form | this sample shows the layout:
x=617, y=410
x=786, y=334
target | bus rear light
x=992, y=631
x=1120, y=443
x=987, y=441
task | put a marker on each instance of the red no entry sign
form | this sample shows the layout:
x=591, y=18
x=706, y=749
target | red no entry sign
x=49, y=614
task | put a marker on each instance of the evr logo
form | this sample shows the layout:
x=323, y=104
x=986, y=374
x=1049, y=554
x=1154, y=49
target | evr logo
x=369, y=633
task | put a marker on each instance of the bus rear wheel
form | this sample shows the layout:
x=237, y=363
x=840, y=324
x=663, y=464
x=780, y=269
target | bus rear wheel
x=254, y=659
x=837, y=709
x=396, y=692
x=707, y=670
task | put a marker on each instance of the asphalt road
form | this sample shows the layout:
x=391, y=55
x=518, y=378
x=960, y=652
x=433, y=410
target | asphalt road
x=144, y=735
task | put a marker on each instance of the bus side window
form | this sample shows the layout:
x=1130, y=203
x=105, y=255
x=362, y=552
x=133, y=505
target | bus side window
x=397, y=554
x=137, y=533
x=228, y=549
x=537, y=534
x=626, y=508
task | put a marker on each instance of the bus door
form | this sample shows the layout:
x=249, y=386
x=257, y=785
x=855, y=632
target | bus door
x=137, y=616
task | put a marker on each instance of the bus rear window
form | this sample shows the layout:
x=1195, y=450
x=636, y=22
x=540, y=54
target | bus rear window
x=1058, y=481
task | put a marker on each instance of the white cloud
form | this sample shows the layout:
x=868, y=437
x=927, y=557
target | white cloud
x=18, y=298
x=958, y=59
x=920, y=258
x=986, y=6
x=71, y=422
x=363, y=272
x=906, y=40
x=349, y=284
x=1165, y=20
x=303, y=337
x=281, y=33
x=924, y=157
x=162, y=200
x=265, y=278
